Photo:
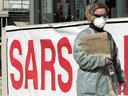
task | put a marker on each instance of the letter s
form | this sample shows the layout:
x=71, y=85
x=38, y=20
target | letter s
x=65, y=87
x=15, y=63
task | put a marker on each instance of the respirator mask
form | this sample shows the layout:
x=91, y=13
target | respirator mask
x=100, y=22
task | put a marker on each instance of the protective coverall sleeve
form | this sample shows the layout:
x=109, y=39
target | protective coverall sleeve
x=84, y=60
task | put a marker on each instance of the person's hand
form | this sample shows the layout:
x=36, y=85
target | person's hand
x=108, y=61
x=122, y=86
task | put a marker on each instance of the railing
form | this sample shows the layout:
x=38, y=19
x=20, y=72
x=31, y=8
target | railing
x=20, y=5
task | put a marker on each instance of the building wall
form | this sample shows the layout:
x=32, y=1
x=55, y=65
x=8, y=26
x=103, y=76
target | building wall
x=1, y=5
x=117, y=9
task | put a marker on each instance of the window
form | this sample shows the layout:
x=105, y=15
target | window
x=16, y=5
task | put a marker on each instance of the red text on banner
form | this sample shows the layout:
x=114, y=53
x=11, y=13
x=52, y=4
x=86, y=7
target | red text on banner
x=15, y=63
x=45, y=65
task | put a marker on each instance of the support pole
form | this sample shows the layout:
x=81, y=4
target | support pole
x=4, y=67
x=34, y=15
x=31, y=13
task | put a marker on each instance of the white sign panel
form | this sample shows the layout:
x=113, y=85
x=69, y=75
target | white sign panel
x=40, y=60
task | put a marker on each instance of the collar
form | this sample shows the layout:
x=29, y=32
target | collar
x=96, y=29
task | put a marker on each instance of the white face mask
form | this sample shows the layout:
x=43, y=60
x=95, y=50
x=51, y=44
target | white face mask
x=100, y=22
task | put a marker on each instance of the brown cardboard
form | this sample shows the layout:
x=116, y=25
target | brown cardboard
x=96, y=44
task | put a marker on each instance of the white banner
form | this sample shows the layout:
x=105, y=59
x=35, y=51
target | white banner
x=40, y=60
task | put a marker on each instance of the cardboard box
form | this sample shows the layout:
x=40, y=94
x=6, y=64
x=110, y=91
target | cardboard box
x=95, y=44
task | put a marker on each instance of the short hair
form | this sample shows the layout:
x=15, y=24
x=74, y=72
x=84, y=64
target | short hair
x=90, y=9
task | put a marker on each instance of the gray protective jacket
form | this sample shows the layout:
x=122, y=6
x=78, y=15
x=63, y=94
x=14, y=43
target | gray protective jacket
x=93, y=78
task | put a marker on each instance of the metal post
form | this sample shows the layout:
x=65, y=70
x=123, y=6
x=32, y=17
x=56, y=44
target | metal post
x=4, y=67
x=31, y=13
x=34, y=15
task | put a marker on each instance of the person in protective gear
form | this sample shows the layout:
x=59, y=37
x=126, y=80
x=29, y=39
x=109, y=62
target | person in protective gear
x=93, y=78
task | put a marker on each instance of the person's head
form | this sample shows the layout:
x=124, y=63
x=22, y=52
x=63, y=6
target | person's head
x=96, y=13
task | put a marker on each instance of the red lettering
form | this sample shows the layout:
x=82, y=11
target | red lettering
x=126, y=62
x=31, y=74
x=65, y=87
x=47, y=65
x=15, y=63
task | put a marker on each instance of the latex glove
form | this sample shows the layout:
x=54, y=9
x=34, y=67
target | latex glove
x=122, y=86
x=108, y=61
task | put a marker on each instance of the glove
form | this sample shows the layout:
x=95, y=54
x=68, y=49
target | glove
x=108, y=61
x=122, y=86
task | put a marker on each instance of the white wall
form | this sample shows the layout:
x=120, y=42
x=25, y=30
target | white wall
x=1, y=5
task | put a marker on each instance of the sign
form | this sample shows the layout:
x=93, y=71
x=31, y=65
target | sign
x=80, y=4
x=40, y=60
x=46, y=6
x=95, y=44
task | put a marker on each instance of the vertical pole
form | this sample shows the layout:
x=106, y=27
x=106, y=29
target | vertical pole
x=72, y=9
x=31, y=13
x=36, y=14
x=4, y=67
